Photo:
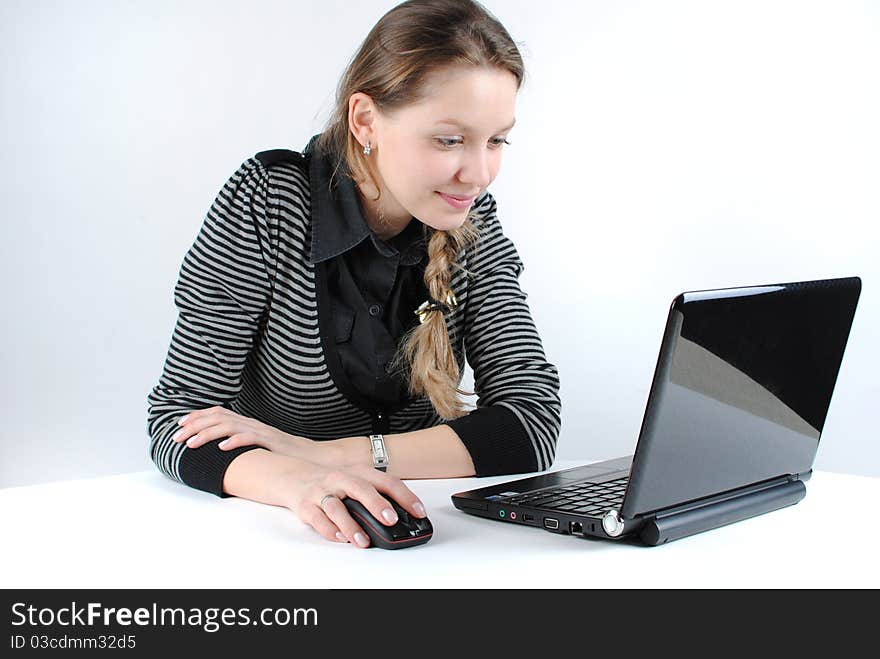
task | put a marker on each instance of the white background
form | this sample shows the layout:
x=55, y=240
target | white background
x=659, y=147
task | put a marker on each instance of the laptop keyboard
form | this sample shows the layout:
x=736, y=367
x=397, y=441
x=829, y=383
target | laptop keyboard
x=578, y=498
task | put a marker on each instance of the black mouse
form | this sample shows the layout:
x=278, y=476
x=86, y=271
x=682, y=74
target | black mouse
x=407, y=532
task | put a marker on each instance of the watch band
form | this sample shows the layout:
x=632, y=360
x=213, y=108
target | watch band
x=380, y=455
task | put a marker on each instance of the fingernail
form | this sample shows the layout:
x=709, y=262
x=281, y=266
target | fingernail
x=419, y=508
x=341, y=537
x=183, y=420
x=191, y=440
x=223, y=443
x=177, y=434
x=389, y=515
x=361, y=539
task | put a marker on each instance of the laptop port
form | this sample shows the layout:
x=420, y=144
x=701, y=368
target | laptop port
x=528, y=518
x=575, y=528
x=551, y=523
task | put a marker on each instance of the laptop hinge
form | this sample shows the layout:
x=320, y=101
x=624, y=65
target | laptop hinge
x=720, y=510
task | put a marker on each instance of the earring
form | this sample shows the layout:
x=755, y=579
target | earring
x=367, y=149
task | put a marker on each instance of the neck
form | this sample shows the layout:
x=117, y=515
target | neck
x=383, y=223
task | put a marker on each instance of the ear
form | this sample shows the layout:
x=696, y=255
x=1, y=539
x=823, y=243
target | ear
x=362, y=118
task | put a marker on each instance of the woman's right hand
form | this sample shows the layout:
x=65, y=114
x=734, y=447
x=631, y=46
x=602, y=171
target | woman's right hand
x=316, y=498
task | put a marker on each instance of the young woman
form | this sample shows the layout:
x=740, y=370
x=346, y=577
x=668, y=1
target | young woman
x=330, y=298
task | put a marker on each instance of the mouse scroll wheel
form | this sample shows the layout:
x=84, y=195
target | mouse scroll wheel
x=403, y=516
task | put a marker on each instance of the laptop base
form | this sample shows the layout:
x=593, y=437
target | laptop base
x=657, y=528
x=666, y=527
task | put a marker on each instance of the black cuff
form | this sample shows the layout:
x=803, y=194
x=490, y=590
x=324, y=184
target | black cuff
x=203, y=468
x=496, y=440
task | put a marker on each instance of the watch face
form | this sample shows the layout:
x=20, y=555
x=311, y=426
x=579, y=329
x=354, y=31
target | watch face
x=379, y=457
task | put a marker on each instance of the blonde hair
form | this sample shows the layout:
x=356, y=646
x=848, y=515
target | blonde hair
x=410, y=42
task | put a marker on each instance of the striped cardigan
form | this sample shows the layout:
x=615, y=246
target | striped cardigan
x=248, y=336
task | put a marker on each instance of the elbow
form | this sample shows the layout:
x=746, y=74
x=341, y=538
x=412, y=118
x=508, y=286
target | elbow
x=551, y=458
x=545, y=453
x=155, y=433
x=164, y=453
x=161, y=453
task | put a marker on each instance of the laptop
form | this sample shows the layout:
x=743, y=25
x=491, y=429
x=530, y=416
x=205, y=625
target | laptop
x=732, y=423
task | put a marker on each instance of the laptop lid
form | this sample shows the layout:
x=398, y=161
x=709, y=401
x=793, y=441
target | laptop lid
x=741, y=390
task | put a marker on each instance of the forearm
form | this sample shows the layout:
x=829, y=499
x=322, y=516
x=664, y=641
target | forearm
x=265, y=477
x=429, y=453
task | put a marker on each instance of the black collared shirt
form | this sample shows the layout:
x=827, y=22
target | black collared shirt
x=375, y=286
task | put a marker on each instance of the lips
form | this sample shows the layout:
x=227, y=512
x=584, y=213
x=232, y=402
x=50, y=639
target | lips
x=459, y=197
x=455, y=202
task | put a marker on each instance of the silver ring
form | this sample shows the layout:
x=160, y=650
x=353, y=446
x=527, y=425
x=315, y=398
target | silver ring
x=324, y=498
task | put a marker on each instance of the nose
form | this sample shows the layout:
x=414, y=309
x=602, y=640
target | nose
x=476, y=169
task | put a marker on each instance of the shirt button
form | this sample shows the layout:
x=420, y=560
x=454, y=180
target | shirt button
x=375, y=310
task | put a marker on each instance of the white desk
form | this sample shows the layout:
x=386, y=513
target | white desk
x=142, y=530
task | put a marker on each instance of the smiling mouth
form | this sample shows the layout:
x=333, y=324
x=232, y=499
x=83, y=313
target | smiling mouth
x=459, y=197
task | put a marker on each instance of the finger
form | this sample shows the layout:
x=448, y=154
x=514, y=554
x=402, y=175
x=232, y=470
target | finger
x=379, y=506
x=192, y=423
x=207, y=434
x=216, y=425
x=195, y=414
x=210, y=427
x=183, y=434
x=206, y=419
x=396, y=490
x=242, y=439
x=315, y=517
x=338, y=514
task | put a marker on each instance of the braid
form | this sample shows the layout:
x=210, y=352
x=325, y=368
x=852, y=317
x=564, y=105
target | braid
x=426, y=350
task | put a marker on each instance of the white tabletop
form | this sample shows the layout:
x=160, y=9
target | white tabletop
x=142, y=530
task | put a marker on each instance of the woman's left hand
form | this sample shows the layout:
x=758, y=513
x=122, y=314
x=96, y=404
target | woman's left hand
x=202, y=426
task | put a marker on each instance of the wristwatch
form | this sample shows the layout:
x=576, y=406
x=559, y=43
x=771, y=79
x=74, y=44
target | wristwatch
x=380, y=456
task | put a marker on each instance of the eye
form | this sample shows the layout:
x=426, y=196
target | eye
x=448, y=142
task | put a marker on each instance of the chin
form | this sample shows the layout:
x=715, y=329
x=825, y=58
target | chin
x=446, y=223
x=446, y=218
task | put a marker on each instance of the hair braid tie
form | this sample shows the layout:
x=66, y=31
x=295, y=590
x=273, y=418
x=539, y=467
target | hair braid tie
x=446, y=307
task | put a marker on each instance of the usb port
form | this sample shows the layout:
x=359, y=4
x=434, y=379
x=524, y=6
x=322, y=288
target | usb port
x=551, y=523
x=528, y=518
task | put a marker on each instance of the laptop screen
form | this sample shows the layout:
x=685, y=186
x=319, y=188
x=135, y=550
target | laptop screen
x=742, y=389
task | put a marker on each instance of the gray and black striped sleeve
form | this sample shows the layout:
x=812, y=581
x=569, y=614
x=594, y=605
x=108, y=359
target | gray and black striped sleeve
x=221, y=293
x=518, y=417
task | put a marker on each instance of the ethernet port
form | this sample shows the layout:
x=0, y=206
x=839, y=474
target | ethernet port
x=575, y=528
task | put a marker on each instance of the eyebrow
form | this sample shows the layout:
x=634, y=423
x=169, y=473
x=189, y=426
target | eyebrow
x=453, y=122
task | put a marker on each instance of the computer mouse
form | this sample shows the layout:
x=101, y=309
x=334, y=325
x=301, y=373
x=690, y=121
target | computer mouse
x=407, y=532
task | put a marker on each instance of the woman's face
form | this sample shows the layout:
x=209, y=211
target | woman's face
x=450, y=143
